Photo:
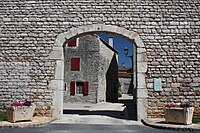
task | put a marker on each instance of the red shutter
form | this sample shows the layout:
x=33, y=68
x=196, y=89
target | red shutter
x=72, y=88
x=75, y=64
x=72, y=43
x=85, y=91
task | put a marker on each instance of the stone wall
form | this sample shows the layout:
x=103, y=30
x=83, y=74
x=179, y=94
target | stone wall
x=126, y=85
x=108, y=75
x=88, y=51
x=96, y=61
x=169, y=30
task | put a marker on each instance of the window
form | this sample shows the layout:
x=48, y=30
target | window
x=75, y=64
x=72, y=43
x=79, y=88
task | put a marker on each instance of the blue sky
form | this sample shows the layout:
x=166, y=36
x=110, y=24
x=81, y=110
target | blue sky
x=119, y=44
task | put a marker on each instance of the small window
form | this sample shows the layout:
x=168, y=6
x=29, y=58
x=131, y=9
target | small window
x=79, y=88
x=72, y=43
x=75, y=64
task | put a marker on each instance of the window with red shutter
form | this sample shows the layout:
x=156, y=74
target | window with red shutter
x=75, y=64
x=72, y=88
x=85, y=91
x=79, y=87
x=72, y=43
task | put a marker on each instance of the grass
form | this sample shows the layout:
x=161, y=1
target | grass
x=196, y=120
x=3, y=116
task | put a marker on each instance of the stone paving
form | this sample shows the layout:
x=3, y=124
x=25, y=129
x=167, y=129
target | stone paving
x=90, y=117
x=104, y=106
x=108, y=107
x=160, y=123
x=99, y=119
x=36, y=121
x=94, y=119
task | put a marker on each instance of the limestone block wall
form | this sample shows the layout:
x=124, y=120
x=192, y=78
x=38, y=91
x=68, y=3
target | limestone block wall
x=169, y=30
x=88, y=51
x=126, y=85
x=98, y=67
x=108, y=74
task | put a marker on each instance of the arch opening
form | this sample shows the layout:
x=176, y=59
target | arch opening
x=139, y=68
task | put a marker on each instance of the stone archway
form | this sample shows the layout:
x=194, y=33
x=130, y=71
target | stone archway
x=57, y=54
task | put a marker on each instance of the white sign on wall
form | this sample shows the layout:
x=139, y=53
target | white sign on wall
x=158, y=84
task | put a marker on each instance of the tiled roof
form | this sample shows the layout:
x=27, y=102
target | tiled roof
x=126, y=75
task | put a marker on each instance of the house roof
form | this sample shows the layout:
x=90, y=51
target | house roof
x=124, y=72
x=124, y=75
x=122, y=68
x=105, y=43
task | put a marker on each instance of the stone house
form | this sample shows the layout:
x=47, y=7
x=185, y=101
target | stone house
x=125, y=76
x=90, y=71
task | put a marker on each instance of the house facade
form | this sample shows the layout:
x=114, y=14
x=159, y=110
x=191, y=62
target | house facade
x=90, y=71
x=125, y=76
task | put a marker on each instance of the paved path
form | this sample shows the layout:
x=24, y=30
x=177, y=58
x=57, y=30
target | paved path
x=160, y=124
x=88, y=128
x=108, y=107
x=104, y=106
x=36, y=121
x=95, y=119
x=116, y=110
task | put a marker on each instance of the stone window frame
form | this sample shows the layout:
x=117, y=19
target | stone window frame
x=57, y=54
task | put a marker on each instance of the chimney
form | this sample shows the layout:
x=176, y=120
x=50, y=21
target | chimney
x=110, y=41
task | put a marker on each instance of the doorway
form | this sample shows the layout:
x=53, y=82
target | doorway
x=140, y=66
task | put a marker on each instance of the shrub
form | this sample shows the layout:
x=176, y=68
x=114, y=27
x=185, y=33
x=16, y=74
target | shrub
x=119, y=94
x=196, y=120
x=3, y=116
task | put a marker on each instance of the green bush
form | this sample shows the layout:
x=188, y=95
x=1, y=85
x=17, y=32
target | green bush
x=119, y=94
x=3, y=116
x=196, y=120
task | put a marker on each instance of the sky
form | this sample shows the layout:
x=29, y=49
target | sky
x=119, y=44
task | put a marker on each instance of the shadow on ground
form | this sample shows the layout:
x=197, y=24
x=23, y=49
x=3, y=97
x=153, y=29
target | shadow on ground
x=129, y=113
x=130, y=107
